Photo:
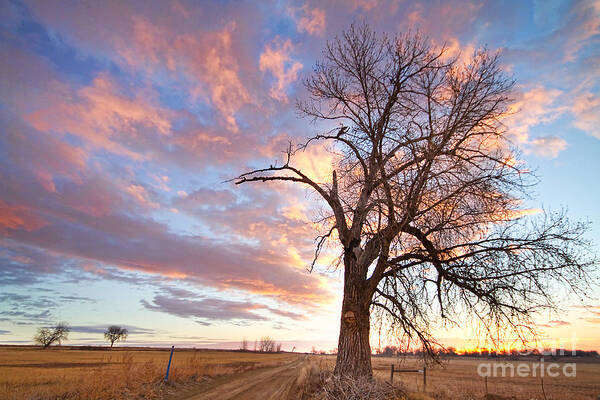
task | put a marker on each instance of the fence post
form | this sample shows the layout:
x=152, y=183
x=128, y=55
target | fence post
x=392, y=374
x=424, y=378
x=169, y=365
x=543, y=391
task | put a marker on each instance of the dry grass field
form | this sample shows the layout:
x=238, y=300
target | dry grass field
x=123, y=373
x=457, y=378
x=72, y=373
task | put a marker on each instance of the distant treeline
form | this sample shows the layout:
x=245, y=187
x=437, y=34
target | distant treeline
x=389, y=351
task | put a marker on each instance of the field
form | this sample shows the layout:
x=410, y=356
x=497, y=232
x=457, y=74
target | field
x=65, y=373
x=457, y=378
x=75, y=373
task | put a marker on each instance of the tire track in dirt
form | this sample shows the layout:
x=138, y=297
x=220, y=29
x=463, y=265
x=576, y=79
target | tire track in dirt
x=271, y=383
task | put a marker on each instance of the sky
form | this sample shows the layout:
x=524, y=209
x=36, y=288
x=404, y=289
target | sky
x=122, y=122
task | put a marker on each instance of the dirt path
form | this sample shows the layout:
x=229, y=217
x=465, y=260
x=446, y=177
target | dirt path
x=271, y=383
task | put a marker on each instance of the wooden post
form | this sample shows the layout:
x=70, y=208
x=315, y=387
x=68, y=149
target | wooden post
x=169, y=365
x=392, y=374
x=543, y=391
x=424, y=378
x=486, y=390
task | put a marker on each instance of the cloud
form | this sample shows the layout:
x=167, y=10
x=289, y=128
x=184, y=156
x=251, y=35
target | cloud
x=213, y=309
x=586, y=109
x=96, y=115
x=204, y=198
x=595, y=310
x=276, y=60
x=100, y=329
x=146, y=246
x=104, y=116
x=442, y=20
x=39, y=307
x=18, y=217
x=583, y=25
x=206, y=57
x=92, y=217
x=547, y=146
x=535, y=106
x=557, y=323
x=309, y=20
x=139, y=193
x=26, y=265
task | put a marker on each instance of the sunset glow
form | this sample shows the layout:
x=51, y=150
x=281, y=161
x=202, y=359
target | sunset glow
x=123, y=123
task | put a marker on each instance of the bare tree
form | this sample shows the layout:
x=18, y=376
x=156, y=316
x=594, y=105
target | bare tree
x=244, y=345
x=266, y=344
x=57, y=333
x=425, y=194
x=115, y=333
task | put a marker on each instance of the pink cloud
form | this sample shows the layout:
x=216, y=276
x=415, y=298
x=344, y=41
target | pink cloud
x=13, y=217
x=441, y=20
x=366, y=5
x=276, y=59
x=207, y=57
x=103, y=116
x=586, y=110
x=139, y=193
x=310, y=20
x=584, y=26
x=557, y=323
x=533, y=107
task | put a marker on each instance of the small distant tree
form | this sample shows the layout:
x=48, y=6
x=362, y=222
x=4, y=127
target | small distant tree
x=389, y=351
x=244, y=345
x=278, y=348
x=57, y=333
x=115, y=333
x=267, y=344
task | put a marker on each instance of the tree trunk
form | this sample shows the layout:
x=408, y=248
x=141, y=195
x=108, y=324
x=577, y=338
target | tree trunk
x=354, y=350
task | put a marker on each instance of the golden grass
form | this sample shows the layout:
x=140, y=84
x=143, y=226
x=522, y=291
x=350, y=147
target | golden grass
x=70, y=373
x=457, y=378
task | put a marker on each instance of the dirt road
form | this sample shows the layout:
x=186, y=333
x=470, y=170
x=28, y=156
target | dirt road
x=271, y=383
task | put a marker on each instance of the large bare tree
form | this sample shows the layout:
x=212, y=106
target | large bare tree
x=425, y=193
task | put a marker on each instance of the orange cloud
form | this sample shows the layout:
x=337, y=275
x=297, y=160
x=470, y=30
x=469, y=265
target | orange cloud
x=276, y=60
x=17, y=217
x=316, y=162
